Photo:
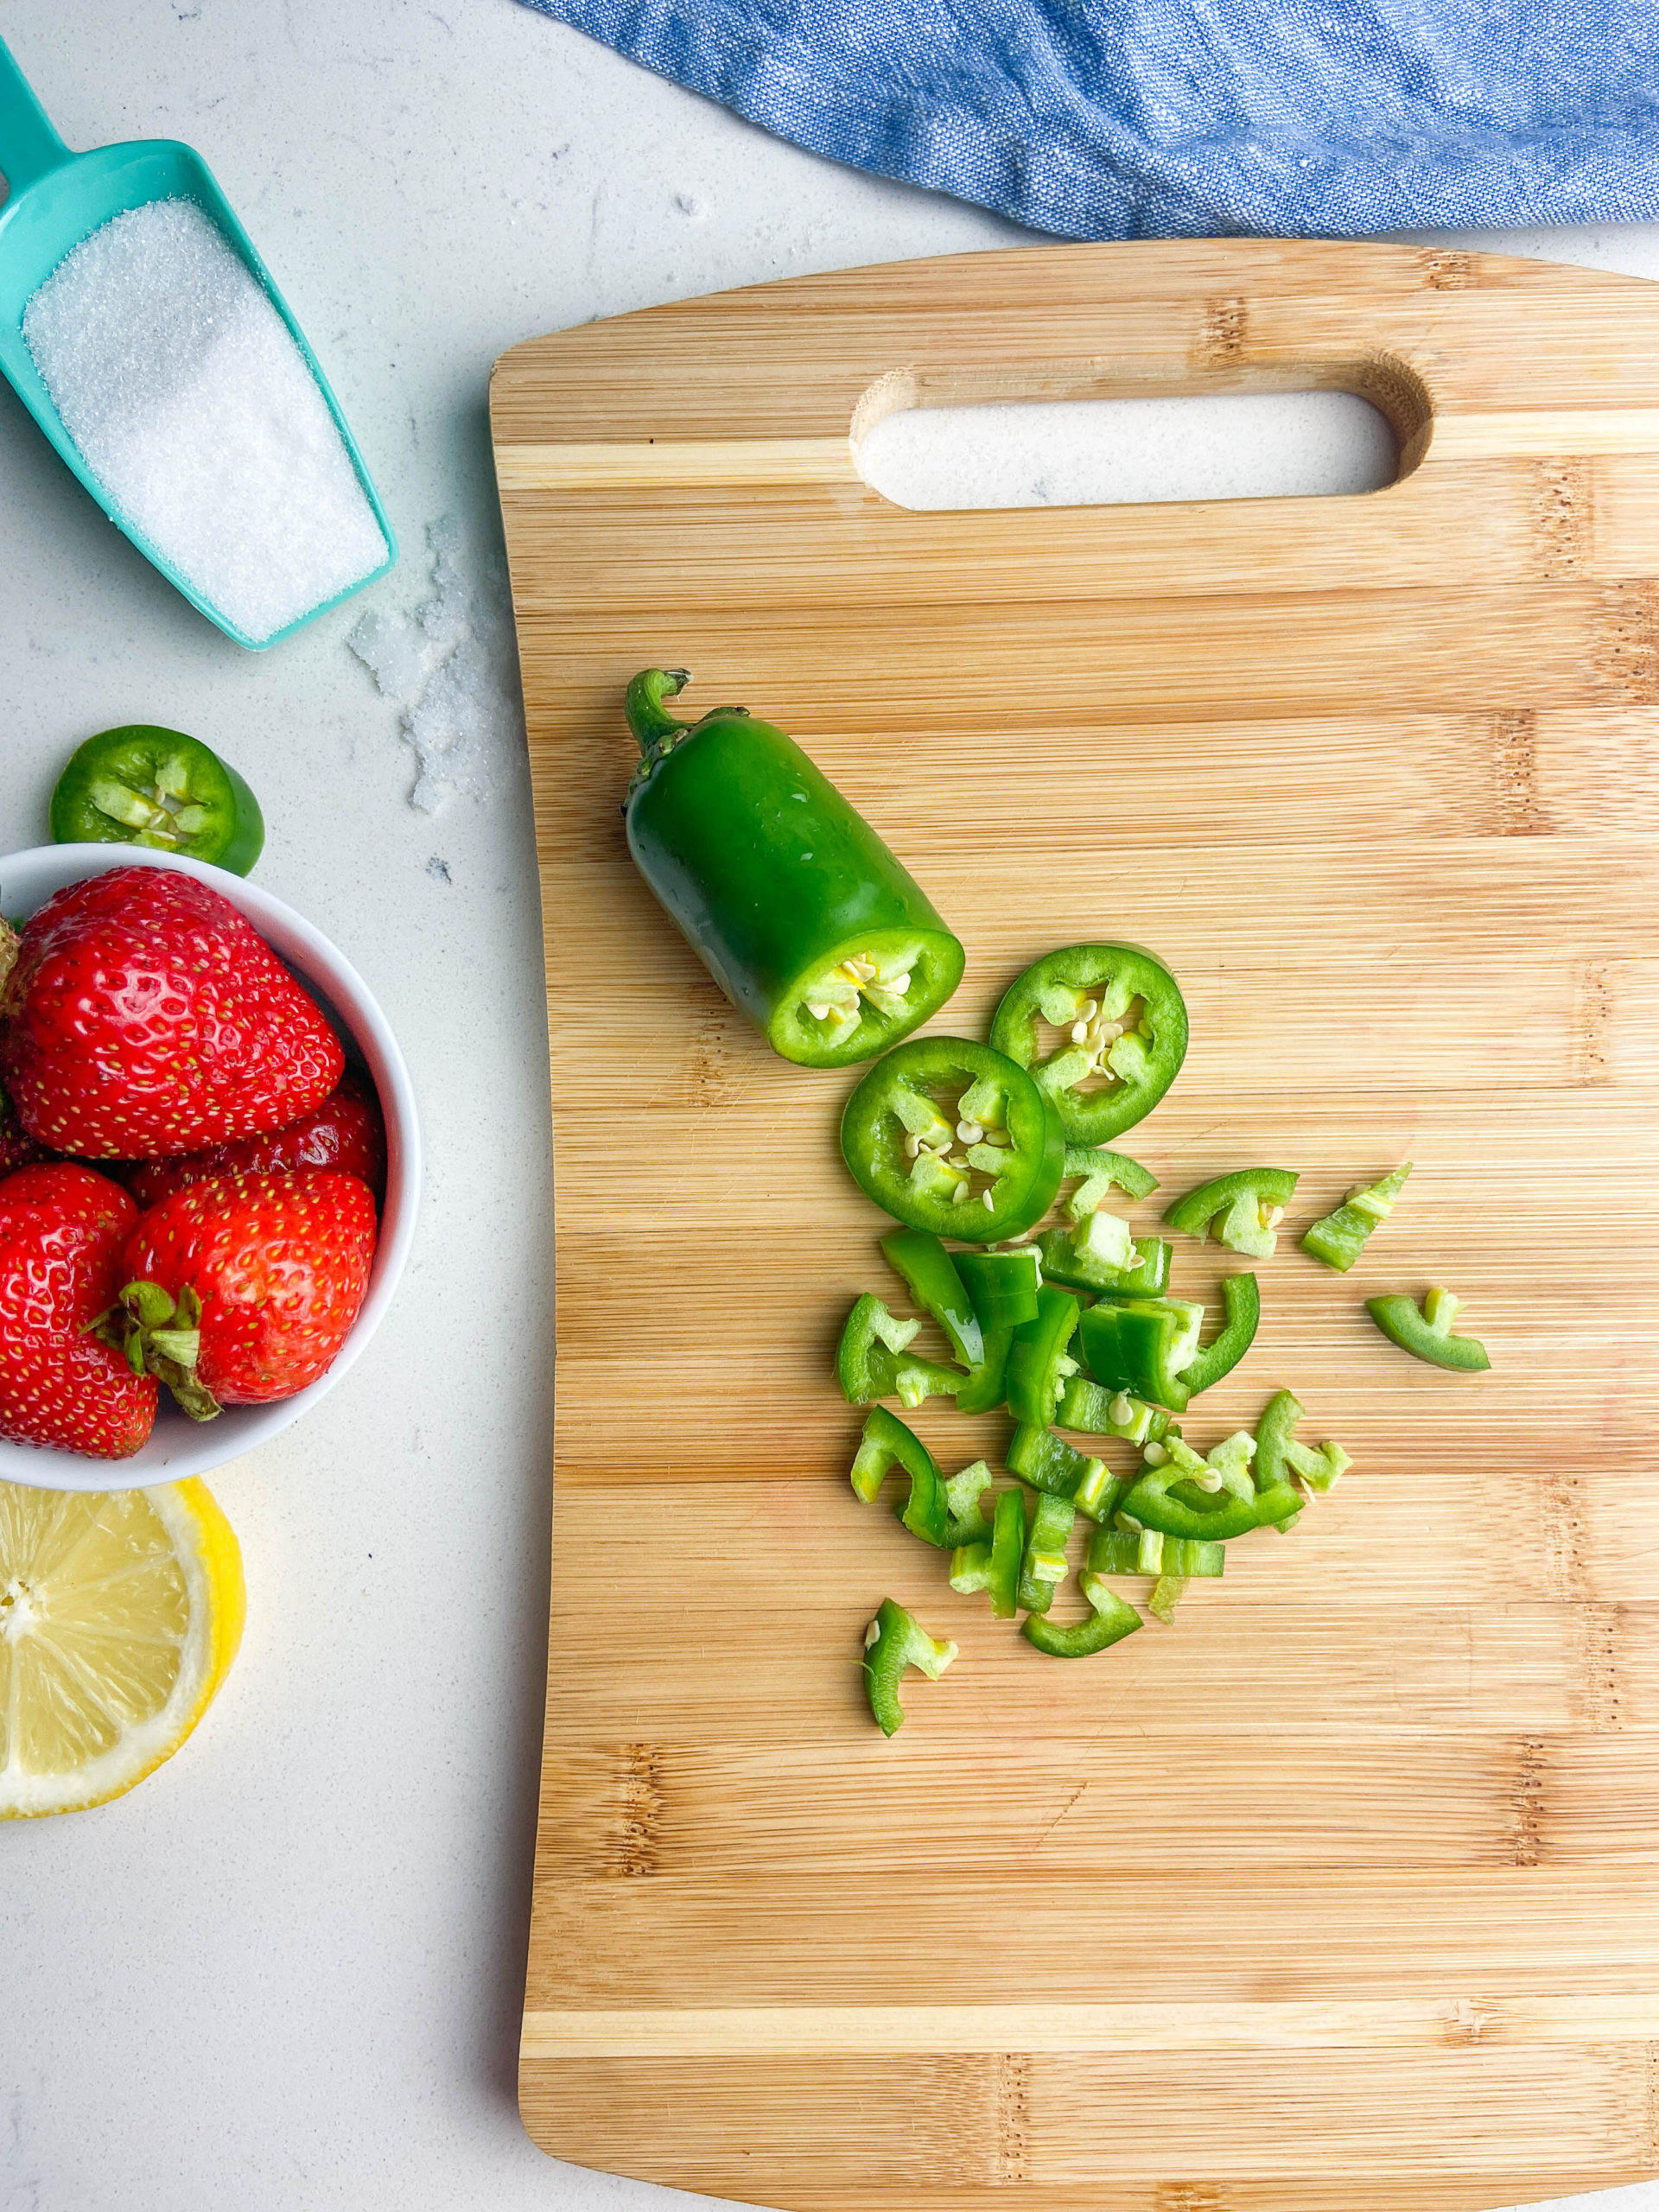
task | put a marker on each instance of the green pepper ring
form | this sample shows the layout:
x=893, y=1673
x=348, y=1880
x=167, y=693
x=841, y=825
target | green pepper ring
x=1093, y=1117
x=872, y=1140
x=127, y=764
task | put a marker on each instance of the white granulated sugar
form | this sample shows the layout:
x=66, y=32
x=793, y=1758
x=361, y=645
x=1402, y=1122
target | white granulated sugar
x=192, y=405
x=453, y=669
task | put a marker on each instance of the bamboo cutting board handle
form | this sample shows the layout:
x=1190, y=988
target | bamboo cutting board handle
x=1452, y=347
x=1346, y=1889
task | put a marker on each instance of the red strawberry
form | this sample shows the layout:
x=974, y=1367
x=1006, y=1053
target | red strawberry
x=148, y=1017
x=345, y=1132
x=62, y=1233
x=270, y=1269
x=17, y=1148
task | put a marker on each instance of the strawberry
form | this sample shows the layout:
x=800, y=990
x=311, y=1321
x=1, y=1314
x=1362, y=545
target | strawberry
x=62, y=1233
x=345, y=1132
x=148, y=1017
x=244, y=1287
x=17, y=1148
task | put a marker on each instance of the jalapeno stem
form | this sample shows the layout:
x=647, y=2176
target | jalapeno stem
x=648, y=718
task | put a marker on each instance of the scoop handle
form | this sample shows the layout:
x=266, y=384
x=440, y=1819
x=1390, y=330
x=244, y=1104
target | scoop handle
x=29, y=145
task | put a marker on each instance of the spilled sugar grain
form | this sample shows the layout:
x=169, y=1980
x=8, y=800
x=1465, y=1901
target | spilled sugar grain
x=453, y=670
x=190, y=402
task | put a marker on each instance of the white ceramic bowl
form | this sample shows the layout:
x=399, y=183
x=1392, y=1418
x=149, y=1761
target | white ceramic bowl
x=179, y=1446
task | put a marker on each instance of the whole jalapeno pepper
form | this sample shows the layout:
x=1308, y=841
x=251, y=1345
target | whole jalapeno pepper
x=793, y=904
x=141, y=784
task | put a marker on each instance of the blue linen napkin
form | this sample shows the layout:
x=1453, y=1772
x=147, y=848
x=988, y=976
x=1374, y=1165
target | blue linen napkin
x=1186, y=119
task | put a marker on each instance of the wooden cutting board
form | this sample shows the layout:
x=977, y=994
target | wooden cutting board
x=1346, y=1889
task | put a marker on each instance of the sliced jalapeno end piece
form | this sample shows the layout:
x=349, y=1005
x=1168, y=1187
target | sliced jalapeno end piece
x=946, y=1134
x=1117, y=1034
x=141, y=784
x=863, y=996
x=809, y=924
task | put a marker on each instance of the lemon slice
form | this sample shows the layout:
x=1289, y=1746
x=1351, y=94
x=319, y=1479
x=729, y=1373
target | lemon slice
x=120, y=1613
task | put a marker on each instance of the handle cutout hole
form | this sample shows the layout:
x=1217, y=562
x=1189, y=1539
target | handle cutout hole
x=1094, y=453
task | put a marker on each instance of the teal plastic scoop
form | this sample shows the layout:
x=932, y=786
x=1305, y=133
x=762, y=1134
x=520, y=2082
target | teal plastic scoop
x=57, y=199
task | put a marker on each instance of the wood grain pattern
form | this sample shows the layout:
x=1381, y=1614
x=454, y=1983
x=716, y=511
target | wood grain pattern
x=1348, y=1885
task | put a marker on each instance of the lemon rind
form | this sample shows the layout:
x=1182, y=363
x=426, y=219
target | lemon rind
x=210, y=1561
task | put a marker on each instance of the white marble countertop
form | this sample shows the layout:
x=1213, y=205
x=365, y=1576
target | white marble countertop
x=287, y=1971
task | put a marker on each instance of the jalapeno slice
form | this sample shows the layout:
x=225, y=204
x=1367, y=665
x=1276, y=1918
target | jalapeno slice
x=793, y=904
x=141, y=784
x=1121, y=1025
x=948, y=1136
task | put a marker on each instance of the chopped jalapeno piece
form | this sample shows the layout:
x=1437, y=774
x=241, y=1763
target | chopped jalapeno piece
x=1242, y=1301
x=1100, y=1172
x=921, y=1175
x=994, y=1566
x=1247, y=1205
x=1048, y=1463
x=1123, y=1021
x=1166, y=1594
x=873, y=1360
x=1044, y=1569
x=962, y=1495
x=1038, y=1364
x=1427, y=1334
x=799, y=911
x=894, y=1641
x=1002, y=1286
x=1143, y=1346
x=1102, y=1240
x=1111, y=1620
x=931, y=1276
x=141, y=784
x=1148, y=1276
x=1120, y=1551
x=888, y=1443
x=1092, y=1411
x=1338, y=1238
x=1280, y=1458
x=985, y=1388
x=1213, y=1499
